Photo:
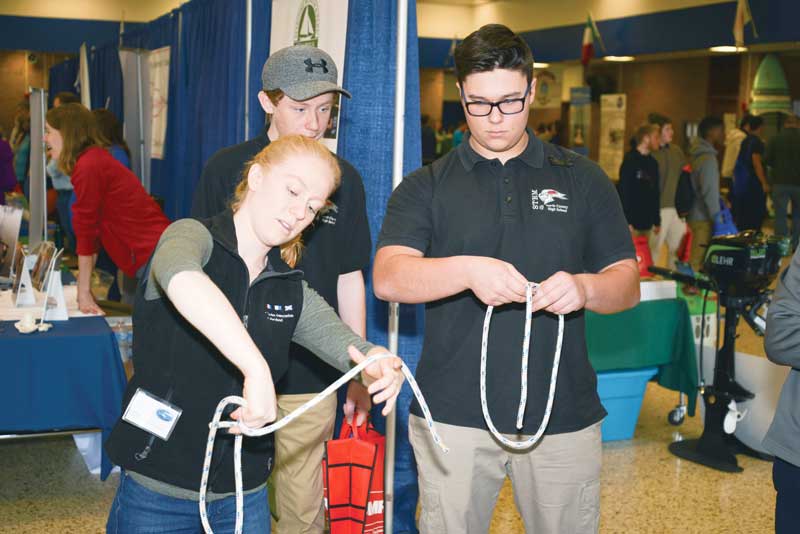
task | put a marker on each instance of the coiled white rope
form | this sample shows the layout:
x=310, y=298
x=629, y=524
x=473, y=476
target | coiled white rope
x=530, y=291
x=216, y=424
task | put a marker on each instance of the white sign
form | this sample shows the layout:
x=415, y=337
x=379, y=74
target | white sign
x=319, y=23
x=10, y=221
x=612, y=133
x=158, y=67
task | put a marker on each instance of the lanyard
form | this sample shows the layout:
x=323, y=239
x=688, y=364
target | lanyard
x=530, y=291
x=216, y=424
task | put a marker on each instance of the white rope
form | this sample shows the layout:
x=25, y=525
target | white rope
x=530, y=291
x=216, y=424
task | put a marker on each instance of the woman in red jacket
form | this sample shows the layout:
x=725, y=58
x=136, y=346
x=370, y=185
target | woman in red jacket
x=112, y=209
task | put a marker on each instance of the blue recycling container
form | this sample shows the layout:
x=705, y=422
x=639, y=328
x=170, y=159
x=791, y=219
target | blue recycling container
x=621, y=393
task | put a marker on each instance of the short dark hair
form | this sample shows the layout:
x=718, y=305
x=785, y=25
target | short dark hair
x=708, y=124
x=490, y=47
x=754, y=122
x=659, y=119
x=66, y=97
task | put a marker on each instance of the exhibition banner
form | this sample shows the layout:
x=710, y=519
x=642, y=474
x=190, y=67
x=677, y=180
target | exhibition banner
x=319, y=23
x=158, y=70
x=612, y=133
x=580, y=115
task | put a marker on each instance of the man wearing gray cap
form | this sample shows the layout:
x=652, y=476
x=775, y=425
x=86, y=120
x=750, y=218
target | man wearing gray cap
x=299, y=92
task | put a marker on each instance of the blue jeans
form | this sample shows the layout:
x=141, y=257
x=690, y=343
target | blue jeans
x=781, y=195
x=64, y=221
x=138, y=510
x=786, y=479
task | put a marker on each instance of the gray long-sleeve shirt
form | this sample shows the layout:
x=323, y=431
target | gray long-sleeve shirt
x=705, y=181
x=782, y=343
x=186, y=246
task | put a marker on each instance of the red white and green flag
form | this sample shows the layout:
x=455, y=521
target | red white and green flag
x=743, y=18
x=591, y=35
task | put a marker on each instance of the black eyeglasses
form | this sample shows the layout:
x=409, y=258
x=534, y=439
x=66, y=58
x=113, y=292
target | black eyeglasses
x=509, y=106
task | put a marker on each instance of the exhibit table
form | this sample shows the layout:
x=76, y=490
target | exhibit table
x=656, y=333
x=69, y=378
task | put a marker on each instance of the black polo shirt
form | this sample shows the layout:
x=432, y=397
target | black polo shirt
x=337, y=243
x=546, y=210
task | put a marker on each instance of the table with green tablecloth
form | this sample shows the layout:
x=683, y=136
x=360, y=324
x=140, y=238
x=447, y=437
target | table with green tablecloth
x=654, y=333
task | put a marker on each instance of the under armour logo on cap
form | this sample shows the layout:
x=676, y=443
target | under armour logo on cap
x=310, y=65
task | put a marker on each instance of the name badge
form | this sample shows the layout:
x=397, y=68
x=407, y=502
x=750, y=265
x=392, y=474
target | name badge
x=152, y=414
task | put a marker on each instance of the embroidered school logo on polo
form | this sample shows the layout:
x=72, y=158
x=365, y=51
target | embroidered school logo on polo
x=546, y=200
x=330, y=215
x=278, y=313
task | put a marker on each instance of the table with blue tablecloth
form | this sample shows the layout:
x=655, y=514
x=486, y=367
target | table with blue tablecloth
x=656, y=333
x=69, y=378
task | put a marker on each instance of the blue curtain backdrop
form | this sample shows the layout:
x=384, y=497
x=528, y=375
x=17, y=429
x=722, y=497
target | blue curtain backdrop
x=165, y=31
x=365, y=140
x=212, y=87
x=62, y=78
x=259, y=51
x=105, y=79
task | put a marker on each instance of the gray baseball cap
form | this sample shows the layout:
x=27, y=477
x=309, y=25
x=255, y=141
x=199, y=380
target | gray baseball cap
x=301, y=72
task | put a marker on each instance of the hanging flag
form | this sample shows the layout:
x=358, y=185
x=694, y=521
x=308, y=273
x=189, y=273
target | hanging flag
x=743, y=17
x=590, y=35
x=83, y=76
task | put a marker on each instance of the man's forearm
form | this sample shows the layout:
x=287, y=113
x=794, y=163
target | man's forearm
x=414, y=280
x=352, y=295
x=614, y=289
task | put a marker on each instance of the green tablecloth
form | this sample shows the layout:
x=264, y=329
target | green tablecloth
x=654, y=333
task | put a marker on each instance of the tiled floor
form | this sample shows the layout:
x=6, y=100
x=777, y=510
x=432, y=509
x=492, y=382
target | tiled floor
x=44, y=487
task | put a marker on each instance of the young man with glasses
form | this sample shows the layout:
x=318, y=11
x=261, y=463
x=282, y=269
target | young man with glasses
x=472, y=230
x=300, y=87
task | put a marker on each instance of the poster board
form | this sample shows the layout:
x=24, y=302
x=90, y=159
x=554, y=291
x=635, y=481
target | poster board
x=10, y=222
x=612, y=133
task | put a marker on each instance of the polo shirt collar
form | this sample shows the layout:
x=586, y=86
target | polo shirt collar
x=533, y=155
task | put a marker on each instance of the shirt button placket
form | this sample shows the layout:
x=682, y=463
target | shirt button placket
x=508, y=195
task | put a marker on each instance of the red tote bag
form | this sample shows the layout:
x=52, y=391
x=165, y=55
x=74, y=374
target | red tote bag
x=352, y=475
x=643, y=257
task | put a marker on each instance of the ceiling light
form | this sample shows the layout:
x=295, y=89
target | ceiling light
x=728, y=49
x=538, y=65
x=618, y=58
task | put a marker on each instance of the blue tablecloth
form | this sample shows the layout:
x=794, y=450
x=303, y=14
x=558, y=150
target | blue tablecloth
x=68, y=378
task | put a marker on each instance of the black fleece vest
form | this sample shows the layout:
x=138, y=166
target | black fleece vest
x=177, y=363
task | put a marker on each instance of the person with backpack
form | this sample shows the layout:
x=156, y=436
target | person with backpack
x=671, y=161
x=705, y=180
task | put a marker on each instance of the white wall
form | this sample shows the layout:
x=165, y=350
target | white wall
x=134, y=10
x=444, y=21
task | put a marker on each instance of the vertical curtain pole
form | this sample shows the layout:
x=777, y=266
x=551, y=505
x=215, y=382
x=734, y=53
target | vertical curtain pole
x=145, y=171
x=394, y=308
x=248, y=47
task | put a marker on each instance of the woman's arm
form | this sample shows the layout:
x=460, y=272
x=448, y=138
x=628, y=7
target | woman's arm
x=86, y=302
x=321, y=331
x=177, y=267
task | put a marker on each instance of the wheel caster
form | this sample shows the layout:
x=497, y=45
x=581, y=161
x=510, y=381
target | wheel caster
x=676, y=416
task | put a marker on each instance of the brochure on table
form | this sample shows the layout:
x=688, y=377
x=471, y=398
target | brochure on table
x=37, y=272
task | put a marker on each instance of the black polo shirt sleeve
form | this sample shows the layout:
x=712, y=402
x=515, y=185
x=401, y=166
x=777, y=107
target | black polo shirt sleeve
x=211, y=192
x=608, y=239
x=355, y=241
x=408, y=221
